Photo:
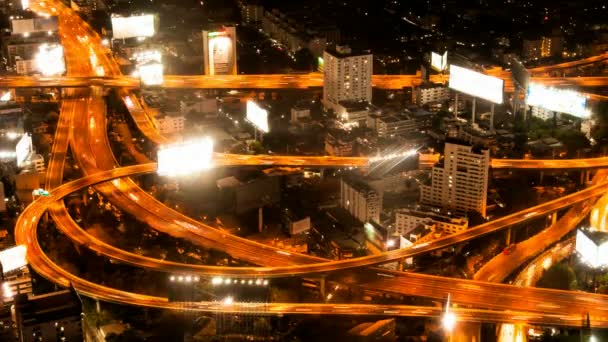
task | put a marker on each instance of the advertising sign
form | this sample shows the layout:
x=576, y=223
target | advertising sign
x=558, y=100
x=439, y=62
x=133, y=26
x=257, y=116
x=23, y=149
x=476, y=84
x=185, y=158
x=13, y=258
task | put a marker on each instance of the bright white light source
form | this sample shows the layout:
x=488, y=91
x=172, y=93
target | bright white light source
x=216, y=281
x=228, y=301
x=49, y=60
x=25, y=4
x=220, y=55
x=476, y=84
x=13, y=258
x=558, y=100
x=396, y=155
x=7, y=293
x=390, y=243
x=449, y=321
x=439, y=62
x=134, y=26
x=257, y=116
x=147, y=56
x=591, y=253
x=23, y=149
x=151, y=74
x=185, y=158
x=5, y=97
x=105, y=42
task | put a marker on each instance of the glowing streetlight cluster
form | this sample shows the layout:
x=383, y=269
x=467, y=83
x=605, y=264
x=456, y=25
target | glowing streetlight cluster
x=219, y=281
x=49, y=60
x=185, y=158
x=184, y=279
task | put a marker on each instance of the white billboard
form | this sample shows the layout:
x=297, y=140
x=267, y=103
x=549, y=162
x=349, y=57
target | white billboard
x=476, y=84
x=133, y=26
x=34, y=25
x=591, y=253
x=49, y=60
x=257, y=116
x=23, y=149
x=185, y=158
x=558, y=100
x=439, y=62
x=13, y=258
x=220, y=51
x=151, y=74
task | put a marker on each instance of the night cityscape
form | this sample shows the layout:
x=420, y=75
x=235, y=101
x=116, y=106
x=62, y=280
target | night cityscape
x=266, y=170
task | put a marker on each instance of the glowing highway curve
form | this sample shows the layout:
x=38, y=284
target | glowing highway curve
x=47, y=268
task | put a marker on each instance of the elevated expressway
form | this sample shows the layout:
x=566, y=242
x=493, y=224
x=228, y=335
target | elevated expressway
x=45, y=266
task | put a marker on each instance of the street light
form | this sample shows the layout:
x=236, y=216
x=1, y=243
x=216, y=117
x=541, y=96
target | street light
x=228, y=301
x=449, y=318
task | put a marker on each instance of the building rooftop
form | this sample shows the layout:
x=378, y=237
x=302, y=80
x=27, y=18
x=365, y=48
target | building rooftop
x=341, y=51
x=48, y=307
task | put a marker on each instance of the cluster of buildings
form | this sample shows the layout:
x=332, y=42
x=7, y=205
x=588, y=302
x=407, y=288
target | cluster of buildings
x=295, y=28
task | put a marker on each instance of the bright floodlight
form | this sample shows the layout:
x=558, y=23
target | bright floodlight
x=558, y=100
x=7, y=292
x=228, y=301
x=13, y=258
x=257, y=116
x=449, y=321
x=185, y=158
x=151, y=74
x=49, y=60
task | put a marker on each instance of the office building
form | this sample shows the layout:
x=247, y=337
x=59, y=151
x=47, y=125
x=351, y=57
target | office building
x=360, y=200
x=347, y=76
x=251, y=12
x=547, y=46
x=431, y=93
x=406, y=220
x=541, y=113
x=169, y=124
x=395, y=125
x=460, y=183
x=219, y=51
x=54, y=316
x=299, y=112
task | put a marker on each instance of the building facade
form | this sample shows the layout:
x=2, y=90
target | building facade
x=406, y=220
x=428, y=93
x=170, y=124
x=394, y=125
x=360, y=200
x=460, y=183
x=347, y=76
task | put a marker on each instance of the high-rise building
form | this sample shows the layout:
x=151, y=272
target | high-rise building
x=363, y=202
x=54, y=316
x=460, y=182
x=251, y=11
x=347, y=76
x=219, y=51
x=542, y=47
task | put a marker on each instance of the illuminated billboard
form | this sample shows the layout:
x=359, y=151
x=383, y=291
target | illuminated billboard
x=476, y=84
x=439, y=62
x=13, y=258
x=185, y=158
x=34, y=25
x=220, y=51
x=49, y=60
x=23, y=149
x=590, y=252
x=558, y=100
x=257, y=116
x=151, y=74
x=133, y=26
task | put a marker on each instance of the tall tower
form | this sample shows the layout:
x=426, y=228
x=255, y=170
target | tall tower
x=219, y=51
x=460, y=183
x=346, y=76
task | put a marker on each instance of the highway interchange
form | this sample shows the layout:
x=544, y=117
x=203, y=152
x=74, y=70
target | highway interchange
x=90, y=148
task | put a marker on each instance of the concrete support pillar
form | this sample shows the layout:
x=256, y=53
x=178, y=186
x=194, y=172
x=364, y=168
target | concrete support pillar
x=554, y=218
x=260, y=219
x=508, y=239
x=97, y=306
x=322, y=287
x=542, y=176
x=588, y=176
x=515, y=102
x=456, y=105
x=473, y=111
